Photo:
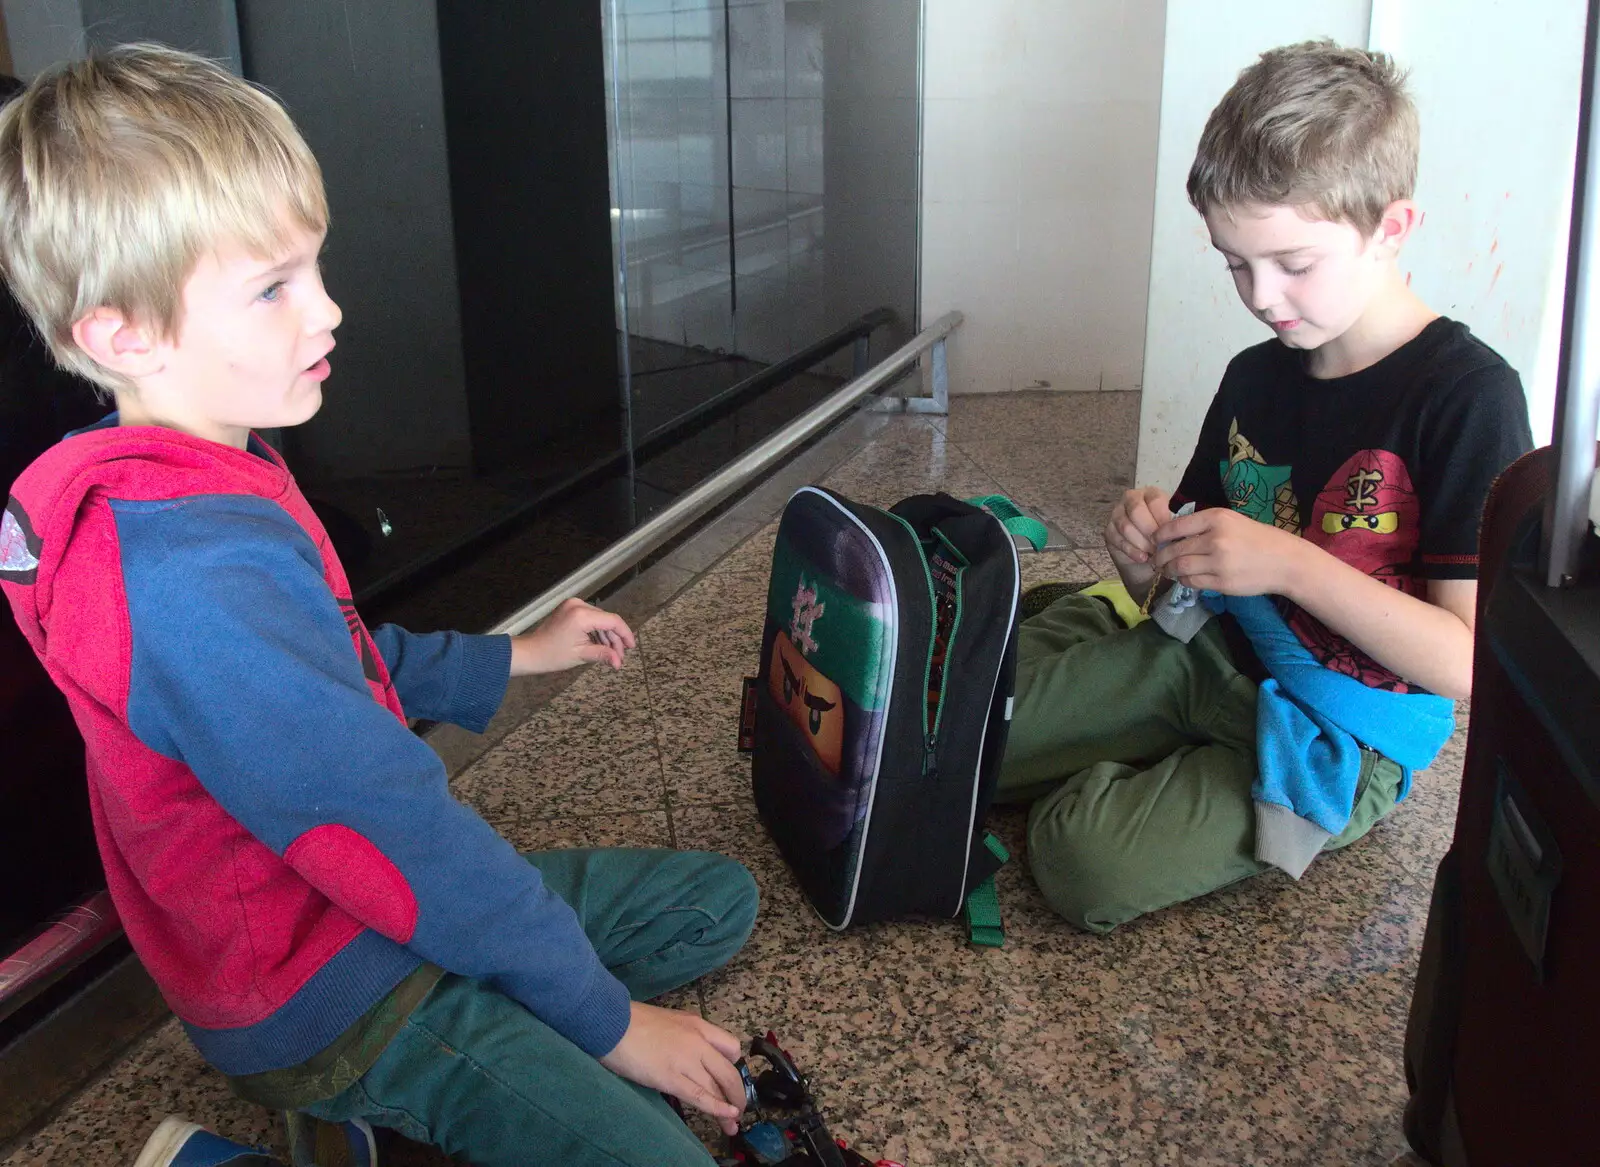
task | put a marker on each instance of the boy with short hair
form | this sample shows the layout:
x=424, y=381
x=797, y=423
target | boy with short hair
x=1324, y=601
x=339, y=936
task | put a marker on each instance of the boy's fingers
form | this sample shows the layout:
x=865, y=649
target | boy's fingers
x=1154, y=500
x=609, y=621
x=707, y=1101
x=1146, y=519
x=714, y=1092
x=1189, y=563
x=1185, y=527
x=726, y=1077
x=1135, y=540
x=1129, y=550
x=613, y=625
x=1205, y=581
x=724, y=1043
x=601, y=653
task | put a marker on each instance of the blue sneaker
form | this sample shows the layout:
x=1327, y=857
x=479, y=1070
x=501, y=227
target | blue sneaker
x=314, y=1143
x=177, y=1143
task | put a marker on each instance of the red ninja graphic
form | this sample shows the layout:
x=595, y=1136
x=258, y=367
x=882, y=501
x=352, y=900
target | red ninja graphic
x=1368, y=516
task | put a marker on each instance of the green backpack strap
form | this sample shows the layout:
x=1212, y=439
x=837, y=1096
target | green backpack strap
x=984, y=926
x=1011, y=517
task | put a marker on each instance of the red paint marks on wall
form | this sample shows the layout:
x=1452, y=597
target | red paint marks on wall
x=1408, y=279
x=1496, y=278
x=1495, y=246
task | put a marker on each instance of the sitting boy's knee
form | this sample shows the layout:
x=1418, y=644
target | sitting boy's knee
x=747, y=901
x=728, y=893
x=1086, y=878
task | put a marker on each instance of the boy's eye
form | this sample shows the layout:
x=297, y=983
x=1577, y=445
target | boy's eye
x=1236, y=267
x=1297, y=271
x=273, y=292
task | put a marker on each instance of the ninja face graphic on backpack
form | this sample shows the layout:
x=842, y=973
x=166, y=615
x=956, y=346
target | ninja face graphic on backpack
x=812, y=701
x=821, y=689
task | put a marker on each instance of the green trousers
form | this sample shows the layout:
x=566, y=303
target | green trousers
x=1137, y=753
x=475, y=1073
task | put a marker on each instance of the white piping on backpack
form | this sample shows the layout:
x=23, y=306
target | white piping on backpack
x=883, y=729
x=977, y=775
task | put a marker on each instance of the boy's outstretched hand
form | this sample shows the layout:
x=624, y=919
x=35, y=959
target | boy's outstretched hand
x=574, y=634
x=1222, y=550
x=682, y=1054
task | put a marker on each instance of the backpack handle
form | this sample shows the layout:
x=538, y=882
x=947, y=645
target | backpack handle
x=1012, y=518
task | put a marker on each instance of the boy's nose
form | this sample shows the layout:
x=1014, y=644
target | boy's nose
x=329, y=316
x=1264, y=293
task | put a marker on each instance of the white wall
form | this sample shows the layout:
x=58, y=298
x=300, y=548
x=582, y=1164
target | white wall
x=1039, y=143
x=1496, y=86
x=1196, y=322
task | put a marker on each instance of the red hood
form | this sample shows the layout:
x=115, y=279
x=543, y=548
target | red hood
x=133, y=463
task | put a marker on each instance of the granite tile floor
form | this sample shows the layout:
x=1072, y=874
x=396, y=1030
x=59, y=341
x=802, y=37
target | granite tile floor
x=1259, y=1025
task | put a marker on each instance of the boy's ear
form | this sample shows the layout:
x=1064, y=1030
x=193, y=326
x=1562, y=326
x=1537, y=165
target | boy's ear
x=116, y=343
x=1400, y=218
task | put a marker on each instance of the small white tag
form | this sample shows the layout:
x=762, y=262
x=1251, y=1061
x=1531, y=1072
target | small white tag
x=1010, y=701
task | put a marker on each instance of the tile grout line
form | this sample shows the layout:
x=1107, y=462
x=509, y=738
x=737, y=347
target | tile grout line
x=994, y=478
x=655, y=742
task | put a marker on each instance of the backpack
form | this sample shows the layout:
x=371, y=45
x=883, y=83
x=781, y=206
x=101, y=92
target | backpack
x=882, y=701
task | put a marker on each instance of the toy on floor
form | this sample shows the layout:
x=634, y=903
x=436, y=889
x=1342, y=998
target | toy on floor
x=788, y=1130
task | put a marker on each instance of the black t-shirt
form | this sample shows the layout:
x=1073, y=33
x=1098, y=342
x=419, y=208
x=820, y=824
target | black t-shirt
x=1387, y=469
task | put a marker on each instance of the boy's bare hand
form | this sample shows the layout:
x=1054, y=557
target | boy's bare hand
x=574, y=634
x=682, y=1054
x=1130, y=534
x=1224, y=551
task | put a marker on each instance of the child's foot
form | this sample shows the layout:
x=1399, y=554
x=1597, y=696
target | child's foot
x=314, y=1143
x=177, y=1143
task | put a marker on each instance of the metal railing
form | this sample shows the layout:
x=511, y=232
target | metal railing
x=64, y=944
x=856, y=335
x=654, y=534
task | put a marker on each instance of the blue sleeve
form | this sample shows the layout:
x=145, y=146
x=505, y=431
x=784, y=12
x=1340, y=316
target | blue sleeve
x=242, y=667
x=446, y=676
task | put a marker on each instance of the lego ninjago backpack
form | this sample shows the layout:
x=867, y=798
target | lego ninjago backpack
x=882, y=701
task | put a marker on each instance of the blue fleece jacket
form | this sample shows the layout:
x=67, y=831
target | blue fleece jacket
x=281, y=848
x=1311, y=723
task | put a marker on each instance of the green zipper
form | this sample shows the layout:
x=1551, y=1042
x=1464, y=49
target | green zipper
x=927, y=666
x=929, y=760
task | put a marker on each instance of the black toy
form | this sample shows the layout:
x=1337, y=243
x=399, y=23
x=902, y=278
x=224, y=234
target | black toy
x=788, y=1130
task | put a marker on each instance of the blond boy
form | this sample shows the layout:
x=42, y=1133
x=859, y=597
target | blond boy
x=338, y=935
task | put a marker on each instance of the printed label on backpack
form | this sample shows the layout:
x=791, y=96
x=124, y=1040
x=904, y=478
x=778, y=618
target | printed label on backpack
x=747, y=715
x=944, y=569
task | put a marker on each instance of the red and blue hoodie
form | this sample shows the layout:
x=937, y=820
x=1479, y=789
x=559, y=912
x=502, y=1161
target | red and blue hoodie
x=282, y=849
